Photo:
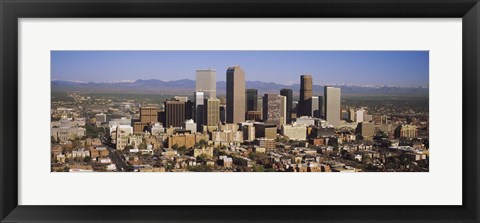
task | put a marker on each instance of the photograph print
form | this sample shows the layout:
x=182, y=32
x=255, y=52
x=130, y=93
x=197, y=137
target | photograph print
x=239, y=111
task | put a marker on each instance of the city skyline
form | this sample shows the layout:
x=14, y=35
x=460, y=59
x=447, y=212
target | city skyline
x=243, y=131
x=372, y=68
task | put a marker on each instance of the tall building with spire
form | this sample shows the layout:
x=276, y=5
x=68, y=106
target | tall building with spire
x=305, y=102
x=235, y=95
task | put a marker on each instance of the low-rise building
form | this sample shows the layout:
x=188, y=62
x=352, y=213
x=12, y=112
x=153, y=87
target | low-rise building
x=366, y=130
x=183, y=139
x=104, y=160
x=158, y=129
x=64, y=133
x=226, y=162
x=111, y=167
x=406, y=131
x=295, y=131
x=60, y=158
x=266, y=143
x=80, y=153
x=94, y=153
x=243, y=161
x=208, y=151
x=122, y=141
x=248, y=130
x=103, y=151
x=190, y=125
x=263, y=130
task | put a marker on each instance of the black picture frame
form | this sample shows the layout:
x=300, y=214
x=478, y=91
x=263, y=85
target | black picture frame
x=12, y=10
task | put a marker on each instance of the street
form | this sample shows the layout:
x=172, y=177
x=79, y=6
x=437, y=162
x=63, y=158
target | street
x=116, y=159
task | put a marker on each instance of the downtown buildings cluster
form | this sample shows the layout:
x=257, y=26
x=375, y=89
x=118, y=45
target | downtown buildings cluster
x=242, y=131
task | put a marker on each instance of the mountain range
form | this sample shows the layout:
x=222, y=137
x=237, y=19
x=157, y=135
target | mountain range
x=187, y=87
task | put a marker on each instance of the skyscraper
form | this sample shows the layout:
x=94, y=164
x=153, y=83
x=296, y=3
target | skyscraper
x=235, y=95
x=360, y=114
x=181, y=98
x=283, y=110
x=212, y=112
x=253, y=105
x=206, y=82
x=332, y=105
x=199, y=97
x=321, y=107
x=189, y=109
x=260, y=105
x=272, y=109
x=148, y=115
x=288, y=93
x=315, y=107
x=223, y=114
x=251, y=99
x=254, y=116
x=366, y=130
x=351, y=115
x=174, y=113
x=295, y=107
x=305, y=101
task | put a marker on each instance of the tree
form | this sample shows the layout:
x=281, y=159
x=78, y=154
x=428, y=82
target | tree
x=392, y=166
x=93, y=131
x=380, y=135
x=283, y=139
x=170, y=166
x=181, y=150
x=202, y=143
x=258, y=168
x=203, y=158
x=271, y=169
x=216, y=152
x=76, y=144
x=252, y=156
x=369, y=168
x=143, y=145
x=87, y=159
x=366, y=159
x=52, y=140
x=200, y=168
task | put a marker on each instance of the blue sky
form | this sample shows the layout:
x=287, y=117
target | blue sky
x=283, y=67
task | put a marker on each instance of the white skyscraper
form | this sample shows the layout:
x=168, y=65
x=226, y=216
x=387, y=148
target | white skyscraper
x=332, y=105
x=206, y=81
x=315, y=107
x=359, y=115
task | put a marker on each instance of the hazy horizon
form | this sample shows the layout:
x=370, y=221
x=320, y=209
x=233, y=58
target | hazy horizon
x=365, y=68
x=289, y=84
